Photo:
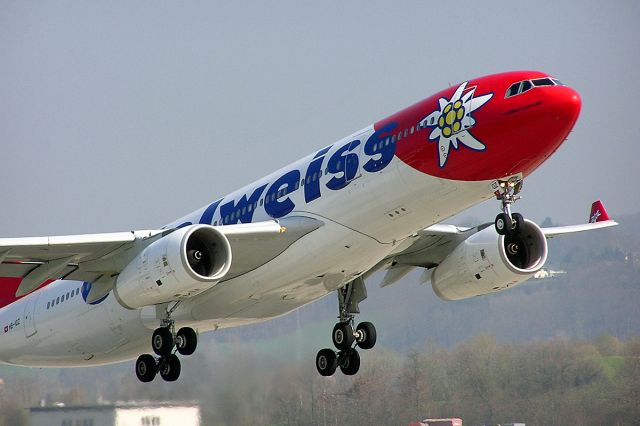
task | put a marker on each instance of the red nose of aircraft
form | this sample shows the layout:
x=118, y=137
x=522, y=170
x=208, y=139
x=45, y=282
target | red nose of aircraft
x=528, y=117
x=545, y=125
x=488, y=128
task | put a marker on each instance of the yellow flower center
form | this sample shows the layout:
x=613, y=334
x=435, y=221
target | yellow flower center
x=450, y=120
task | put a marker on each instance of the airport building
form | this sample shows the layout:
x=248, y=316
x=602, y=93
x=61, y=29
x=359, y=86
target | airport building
x=119, y=414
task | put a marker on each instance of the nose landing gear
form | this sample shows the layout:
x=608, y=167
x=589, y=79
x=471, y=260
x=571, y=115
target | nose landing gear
x=344, y=337
x=506, y=192
x=165, y=342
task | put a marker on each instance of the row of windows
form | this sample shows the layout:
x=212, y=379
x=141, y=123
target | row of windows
x=62, y=298
x=526, y=85
x=378, y=146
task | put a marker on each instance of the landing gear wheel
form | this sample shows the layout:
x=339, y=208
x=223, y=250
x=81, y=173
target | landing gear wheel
x=350, y=362
x=186, y=341
x=326, y=362
x=366, y=335
x=516, y=222
x=170, y=368
x=503, y=224
x=343, y=336
x=146, y=368
x=162, y=341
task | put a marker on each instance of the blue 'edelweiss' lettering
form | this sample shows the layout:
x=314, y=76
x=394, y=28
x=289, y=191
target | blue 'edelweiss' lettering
x=343, y=165
x=285, y=184
x=312, y=178
x=242, y=211
x=377, y=146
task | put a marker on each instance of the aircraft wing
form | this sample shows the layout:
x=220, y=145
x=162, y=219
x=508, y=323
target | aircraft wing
x=34, y=261
x=430, y=246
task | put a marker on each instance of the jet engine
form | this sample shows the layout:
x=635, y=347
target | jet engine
x=487, y=262
x=184, y=263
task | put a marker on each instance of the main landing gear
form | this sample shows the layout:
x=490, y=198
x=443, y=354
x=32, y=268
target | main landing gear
x=507, y=223
x=165, y=342
x=344, y=337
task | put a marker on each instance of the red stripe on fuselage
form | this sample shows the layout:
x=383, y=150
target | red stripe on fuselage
x=8, y=288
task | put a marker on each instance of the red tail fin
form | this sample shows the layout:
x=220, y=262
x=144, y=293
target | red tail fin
x=598, y=212
x=8, y=287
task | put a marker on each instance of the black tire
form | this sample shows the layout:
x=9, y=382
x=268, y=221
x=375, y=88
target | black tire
x=326, y=362
x=516, y=222
x=170, y=368
x=366, y=335
x=162, y=341
x=350, y=362
x=342, y=336
x=146, y=368
x=503, y=224
x=186, y=341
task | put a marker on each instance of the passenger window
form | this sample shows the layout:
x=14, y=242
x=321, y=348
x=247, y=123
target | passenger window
x=393, y=140
x=244, y=211
x=302, y=182
x=215, y=223
x=412, y=127
x=48, y=304
x=406, y=132
x=399, y=135
x=77, y=290
x=260, y=201
x=67, y=296
x=57, y=300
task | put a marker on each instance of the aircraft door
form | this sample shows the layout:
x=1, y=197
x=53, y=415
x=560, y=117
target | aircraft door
x=30, y=315
x=353, y=158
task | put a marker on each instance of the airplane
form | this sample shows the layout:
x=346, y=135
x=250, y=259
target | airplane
x=372, y=201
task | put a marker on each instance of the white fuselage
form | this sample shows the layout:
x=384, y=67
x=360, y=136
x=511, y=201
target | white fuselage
x=363, y=222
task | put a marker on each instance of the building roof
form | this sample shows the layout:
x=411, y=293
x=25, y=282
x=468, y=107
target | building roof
x=118, y=405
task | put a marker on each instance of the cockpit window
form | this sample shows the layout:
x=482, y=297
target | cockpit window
x=542, y=82
x=513, y=90
x=526, y=85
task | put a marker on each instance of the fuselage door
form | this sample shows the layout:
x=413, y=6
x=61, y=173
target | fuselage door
x=30, y=315
x=352, y=160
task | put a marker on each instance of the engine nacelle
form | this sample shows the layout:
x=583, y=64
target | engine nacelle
x=184, y=263
x=487, y=262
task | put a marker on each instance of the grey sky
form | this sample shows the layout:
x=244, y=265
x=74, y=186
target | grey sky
x=127, y=115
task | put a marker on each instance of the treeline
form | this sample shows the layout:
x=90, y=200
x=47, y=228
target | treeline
x=554, y=382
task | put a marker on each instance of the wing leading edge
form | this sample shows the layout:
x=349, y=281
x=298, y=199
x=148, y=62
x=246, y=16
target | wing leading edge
x=99, y=258
x=430, y=246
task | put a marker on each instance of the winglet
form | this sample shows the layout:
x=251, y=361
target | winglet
x=598, y=212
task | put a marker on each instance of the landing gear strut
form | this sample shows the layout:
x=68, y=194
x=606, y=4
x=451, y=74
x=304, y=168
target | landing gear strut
x=165, y=342
x=344, y=337
x=506, y=192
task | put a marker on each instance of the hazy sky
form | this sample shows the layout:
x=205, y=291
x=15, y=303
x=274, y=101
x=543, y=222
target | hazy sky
x=127, y=115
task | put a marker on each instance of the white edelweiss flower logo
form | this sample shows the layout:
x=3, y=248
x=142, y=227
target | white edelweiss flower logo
x=452, y=121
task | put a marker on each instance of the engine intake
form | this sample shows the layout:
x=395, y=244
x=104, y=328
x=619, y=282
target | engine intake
x=182, y=264
x=487, y=262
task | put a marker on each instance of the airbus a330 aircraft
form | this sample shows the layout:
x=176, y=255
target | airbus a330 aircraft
x=371, y=201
